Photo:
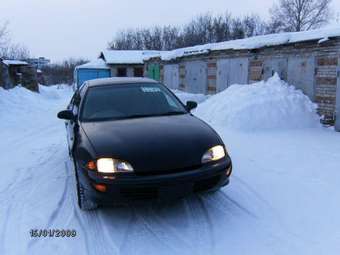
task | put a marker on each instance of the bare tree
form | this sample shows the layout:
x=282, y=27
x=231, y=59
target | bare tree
x=253, y=25
x=61, y=72
x=15, y=51
x=9, y=50
x=205, y=28
x=4, y=40
x=299, y=15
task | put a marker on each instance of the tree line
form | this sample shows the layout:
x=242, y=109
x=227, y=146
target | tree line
x=285, y=16
x=61, y=73
x=8, y=49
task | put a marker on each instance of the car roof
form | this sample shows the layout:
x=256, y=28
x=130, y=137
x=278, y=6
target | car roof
x=118, y=80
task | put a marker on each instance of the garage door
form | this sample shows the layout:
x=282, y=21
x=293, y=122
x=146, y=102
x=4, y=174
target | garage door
x=154, y=72
x=275, y=65
x=196, y=77
x=231, y=71
x=301, y=74
x=171, y=76
x=337, y=122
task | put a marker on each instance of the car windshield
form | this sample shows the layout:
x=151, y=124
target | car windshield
x=124, y=101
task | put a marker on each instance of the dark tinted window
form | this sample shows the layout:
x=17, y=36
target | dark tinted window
x=129, y=101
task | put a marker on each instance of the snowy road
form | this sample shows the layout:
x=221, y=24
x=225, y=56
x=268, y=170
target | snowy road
x=283, y=197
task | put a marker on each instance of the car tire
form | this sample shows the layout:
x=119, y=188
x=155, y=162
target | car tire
x=84, y=203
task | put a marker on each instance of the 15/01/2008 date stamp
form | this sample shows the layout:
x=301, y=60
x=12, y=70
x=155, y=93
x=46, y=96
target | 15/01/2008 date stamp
x=53, y=233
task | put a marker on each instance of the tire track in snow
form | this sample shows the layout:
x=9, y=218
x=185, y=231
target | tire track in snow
x=60, y=205
x=127, y=234
x=202, y=224
x=91, y=226
x=164, y=232
x=4, y=229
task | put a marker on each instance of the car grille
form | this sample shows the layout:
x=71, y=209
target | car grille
x=139, y=193
x=206, y=184
x=171, y=171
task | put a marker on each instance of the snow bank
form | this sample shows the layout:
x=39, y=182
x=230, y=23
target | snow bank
x=264, y=105
x=185, y=97
x=19, y=104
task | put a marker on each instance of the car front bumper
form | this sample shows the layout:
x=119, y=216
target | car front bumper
x=162, y=187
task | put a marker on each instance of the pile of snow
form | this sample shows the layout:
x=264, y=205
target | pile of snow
x=185, y=97
x=263, y=105
x=18, y=105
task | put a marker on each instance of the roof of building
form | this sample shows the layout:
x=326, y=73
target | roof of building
x=127, y=57
x=255, y=42
x=10, y=62
x=118, y=80
x=95, y=64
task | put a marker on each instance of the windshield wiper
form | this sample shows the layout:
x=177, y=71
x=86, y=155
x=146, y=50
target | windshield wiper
x=172, y=113
x=153, y=115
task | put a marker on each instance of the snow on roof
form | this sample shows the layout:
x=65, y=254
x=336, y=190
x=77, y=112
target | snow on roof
x=127, y=56
x=160, y=54
x=255, y=42
x=9, y=62
x=95, y=64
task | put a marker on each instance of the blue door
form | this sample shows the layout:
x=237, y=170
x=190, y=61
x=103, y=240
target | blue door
x=91, y=74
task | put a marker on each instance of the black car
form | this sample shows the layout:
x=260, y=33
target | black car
x=132, y=138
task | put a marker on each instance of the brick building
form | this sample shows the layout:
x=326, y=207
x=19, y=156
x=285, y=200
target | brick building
x=308, y=60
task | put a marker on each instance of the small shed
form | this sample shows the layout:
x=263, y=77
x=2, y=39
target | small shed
x=92, y=70
x=11, y=72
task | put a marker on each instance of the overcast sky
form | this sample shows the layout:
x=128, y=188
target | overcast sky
x=59, y=29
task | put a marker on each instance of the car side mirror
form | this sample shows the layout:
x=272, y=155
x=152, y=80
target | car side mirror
x=66, y=115
x=191, y=105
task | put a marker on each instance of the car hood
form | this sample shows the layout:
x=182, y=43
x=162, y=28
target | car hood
x=153, y=144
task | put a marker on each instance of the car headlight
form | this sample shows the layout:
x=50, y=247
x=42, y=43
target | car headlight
x=110, y=165
x=213, y=154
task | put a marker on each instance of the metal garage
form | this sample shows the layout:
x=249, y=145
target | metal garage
x=92, y=70
x=196, y=78
x=231, y=71
x=171, y=76
x=301, y=71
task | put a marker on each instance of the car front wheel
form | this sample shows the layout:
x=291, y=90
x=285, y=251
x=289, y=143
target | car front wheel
x=84, y=203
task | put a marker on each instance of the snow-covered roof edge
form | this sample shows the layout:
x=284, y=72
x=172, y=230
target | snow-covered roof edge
x=128, y=57
x=255, y=42
x=95, y=64
x=9, y=62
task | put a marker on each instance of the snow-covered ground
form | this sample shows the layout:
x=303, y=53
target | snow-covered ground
x=283, y=197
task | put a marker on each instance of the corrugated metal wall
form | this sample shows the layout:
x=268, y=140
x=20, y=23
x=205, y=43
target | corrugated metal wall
x=83, y=75
x=171, y=76
x=196, y=77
